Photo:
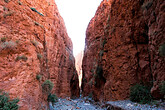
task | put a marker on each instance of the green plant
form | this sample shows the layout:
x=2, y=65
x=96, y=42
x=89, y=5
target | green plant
x=162, y=50
x=8, y=45
x=52, y=98
x=140, y=94
x=17, y=41
x=6, y=103
x=39, y=56
x=3, y=39
x=33, y=9
x=5, y=9
x=23, y=57
x=6, y=1
x=38, y=77
x=162, y=88
x=47, y=86
x=8, y=14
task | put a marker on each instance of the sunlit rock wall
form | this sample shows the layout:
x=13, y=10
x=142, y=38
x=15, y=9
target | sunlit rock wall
x=122, y=48
x=34, y=42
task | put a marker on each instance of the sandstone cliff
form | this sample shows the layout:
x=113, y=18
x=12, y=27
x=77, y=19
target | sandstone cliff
x=122, y=48
x=34, y=42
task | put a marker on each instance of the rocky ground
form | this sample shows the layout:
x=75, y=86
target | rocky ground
x=76, y=104
x=89, y=104
x=128, y=105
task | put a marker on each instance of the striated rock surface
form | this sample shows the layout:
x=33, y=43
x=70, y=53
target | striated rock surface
x=122, y=48
x=78, y=64
x=34, y=42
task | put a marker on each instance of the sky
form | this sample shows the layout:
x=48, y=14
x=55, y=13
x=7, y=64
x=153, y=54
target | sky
x=77, y=15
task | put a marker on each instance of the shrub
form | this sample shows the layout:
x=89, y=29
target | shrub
x=17, y=41
x=3, y=39
x=39, y=56
x=8, y=45
x=9, y=13
x=5, y=9
x=162, y=50
x=33, y=9
x=6, y=103
x=6, y=1
x=38, y=77
x=47, y=86
x=140, y=94
x=52, y=98
x=162, y=88
x=23, y=57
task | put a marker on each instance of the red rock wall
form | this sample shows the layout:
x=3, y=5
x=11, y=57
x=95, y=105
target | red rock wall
x=35, y=33
x=122, y=43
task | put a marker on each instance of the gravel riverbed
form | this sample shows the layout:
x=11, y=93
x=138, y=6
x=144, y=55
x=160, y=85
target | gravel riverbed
x=89, y=104
x=76, y=104
x=128, y=105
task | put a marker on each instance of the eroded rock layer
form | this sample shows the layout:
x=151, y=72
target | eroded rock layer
x=34, y=42
x=122, y=48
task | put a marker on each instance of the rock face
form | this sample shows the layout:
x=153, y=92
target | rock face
x=78, y=64
x=122, y=48
x=34, y=42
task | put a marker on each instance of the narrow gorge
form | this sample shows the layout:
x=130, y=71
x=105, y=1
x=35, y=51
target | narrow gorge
x=124, y=46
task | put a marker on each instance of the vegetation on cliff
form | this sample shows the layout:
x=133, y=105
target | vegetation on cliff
x=6, y=103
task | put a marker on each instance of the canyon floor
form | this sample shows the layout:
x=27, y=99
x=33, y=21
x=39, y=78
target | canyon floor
x=76, y=104
x=88, y=104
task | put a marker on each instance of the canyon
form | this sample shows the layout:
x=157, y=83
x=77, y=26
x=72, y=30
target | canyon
x=122, y=49
x=124, y=43
x=34, y=42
